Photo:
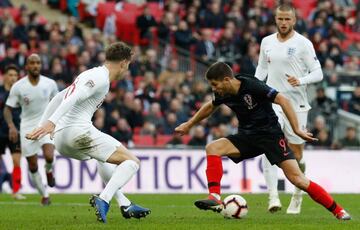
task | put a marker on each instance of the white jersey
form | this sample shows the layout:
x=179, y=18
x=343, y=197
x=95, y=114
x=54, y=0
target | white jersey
x=294, y=57
x=32, y=99
x=75, y=105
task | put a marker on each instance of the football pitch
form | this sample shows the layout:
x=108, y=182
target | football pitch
x=174, y=211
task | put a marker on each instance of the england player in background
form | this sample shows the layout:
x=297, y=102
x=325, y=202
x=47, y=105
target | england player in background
x=68, y=119
x=289, y=62
x=8, y=140
x=32, y=94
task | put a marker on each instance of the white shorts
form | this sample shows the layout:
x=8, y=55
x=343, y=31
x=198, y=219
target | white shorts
x=286, y=127
x=85, y=143
x=29, y=147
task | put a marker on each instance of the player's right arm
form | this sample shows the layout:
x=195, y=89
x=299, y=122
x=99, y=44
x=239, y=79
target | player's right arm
x=205, y=111
x=13, y=132
x=261, y=69
x=11, y=102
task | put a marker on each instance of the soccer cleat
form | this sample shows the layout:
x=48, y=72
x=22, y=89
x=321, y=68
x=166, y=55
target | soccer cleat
x=135, y=211
x=45, y=201
x=343, y=215
x=274, y=204
x=18, y=196
x=50, y=179
x=211, y=203
x=295, y=205
x=101, y=207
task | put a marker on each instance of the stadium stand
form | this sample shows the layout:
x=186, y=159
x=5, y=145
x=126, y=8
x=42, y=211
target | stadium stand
x=182, y=34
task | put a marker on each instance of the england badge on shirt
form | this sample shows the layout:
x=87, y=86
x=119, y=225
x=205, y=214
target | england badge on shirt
x=291, y=51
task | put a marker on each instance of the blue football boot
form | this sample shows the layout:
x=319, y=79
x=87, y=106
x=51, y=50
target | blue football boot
x=101, y=207
x=134, y=210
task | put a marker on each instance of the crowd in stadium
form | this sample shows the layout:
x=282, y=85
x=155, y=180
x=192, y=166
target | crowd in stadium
x=156, y=95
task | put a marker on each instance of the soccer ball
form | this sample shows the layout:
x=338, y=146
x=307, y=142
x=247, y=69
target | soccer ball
x=235, y=207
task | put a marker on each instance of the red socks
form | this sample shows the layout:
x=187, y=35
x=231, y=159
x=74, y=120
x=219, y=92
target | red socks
x=318, y=194
x=16, y=179
x=214, y=172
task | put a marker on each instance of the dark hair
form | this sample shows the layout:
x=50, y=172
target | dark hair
x=285, y=7
x=11, y=67
x=118, y=51
x=218, y=71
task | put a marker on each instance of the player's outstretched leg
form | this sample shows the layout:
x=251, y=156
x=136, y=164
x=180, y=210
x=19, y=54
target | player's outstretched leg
x=127, y=208
x=101, y=207
x=271, y=179
x=315, y=191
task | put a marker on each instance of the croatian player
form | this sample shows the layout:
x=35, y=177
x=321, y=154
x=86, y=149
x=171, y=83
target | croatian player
x=32, y=94
x=289, y=61
x=258, y=133
x=68, y=119
x=11, y=75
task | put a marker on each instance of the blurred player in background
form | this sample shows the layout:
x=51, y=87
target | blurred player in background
x=11, y=75
x=258, y=132
x=68, y=119
x=289, y=62
x=32, y=94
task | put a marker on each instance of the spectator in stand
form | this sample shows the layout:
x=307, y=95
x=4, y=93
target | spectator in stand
x=249, y=61
x=155, y=116
x=205, y=48
x=325, y=106
x=166, y=27
x=172, y=77
x=170, y=123
x=145, y=22
x=198, y=137
x=354, y=103
x=150, y=63
x=9, y=59
x=319, y=124
x=122, y=132
x=324, y=141
x=179, y=109
x=226, y=46
x=184, y=37
x=213, y=16
x=21, y=30
x=148, y=129
x=350, y=140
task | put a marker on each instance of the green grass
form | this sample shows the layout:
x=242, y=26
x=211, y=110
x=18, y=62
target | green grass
x=169, y=212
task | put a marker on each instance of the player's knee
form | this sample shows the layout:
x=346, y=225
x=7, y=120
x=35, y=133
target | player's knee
x=212, y=149
x=33, y=168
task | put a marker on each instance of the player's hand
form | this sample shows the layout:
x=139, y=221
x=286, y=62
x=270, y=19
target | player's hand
x=13, y=134
x=47, y=128
x=293, y=80
x=183, y=129
x=306, y=136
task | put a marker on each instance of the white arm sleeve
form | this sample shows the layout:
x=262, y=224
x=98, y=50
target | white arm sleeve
x=70, y=98
x=261, y=69
x=314, y=76
x=51, y=107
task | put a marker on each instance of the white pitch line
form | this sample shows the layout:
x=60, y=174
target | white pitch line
x=32, y=203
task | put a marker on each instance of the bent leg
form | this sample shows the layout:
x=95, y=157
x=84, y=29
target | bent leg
x=127, y=165
x=35, y=175
x=106, y=170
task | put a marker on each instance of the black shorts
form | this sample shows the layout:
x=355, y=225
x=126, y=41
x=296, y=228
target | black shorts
x=5, y=142
x=274, y=146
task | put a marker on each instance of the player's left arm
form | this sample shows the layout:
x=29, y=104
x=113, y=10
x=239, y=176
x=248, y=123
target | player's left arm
x=315, y=74
x=291, y=115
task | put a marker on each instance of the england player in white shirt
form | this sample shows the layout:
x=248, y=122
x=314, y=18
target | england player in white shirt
x=68, y=119
x=33, y=93
x=289, y=62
